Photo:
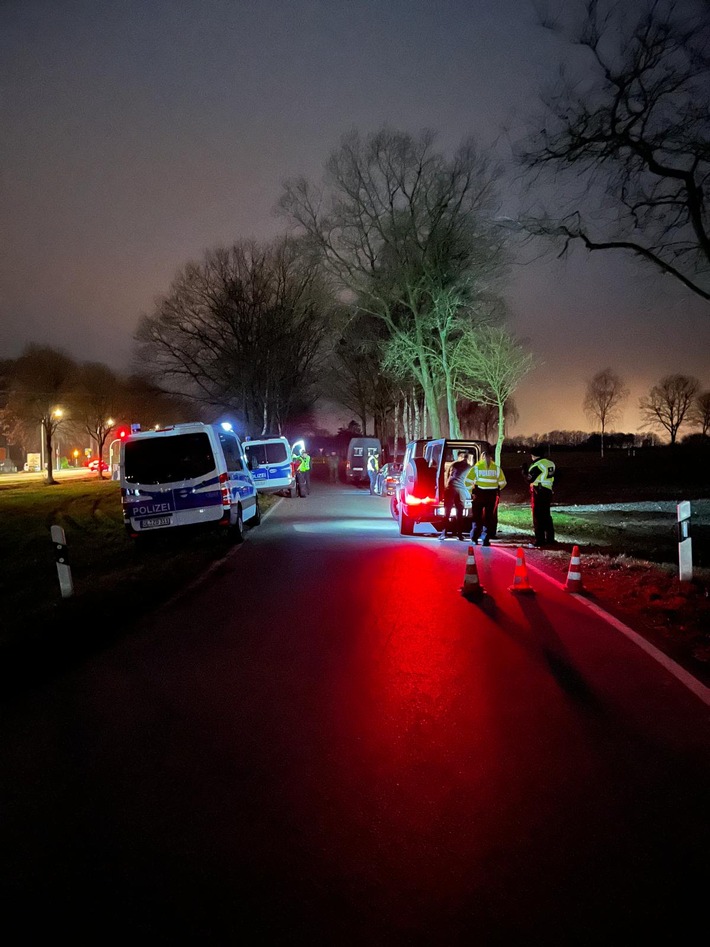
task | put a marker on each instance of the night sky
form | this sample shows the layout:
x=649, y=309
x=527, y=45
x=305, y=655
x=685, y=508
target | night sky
x=138, y=133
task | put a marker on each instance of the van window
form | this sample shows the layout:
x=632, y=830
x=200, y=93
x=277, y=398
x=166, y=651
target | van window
x=357, y=451
x=433, y=453
x=168, y=459
x=263, y=454
x=232, y=454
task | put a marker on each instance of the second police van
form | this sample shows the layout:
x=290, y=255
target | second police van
x=270, y=464
x=187, y=475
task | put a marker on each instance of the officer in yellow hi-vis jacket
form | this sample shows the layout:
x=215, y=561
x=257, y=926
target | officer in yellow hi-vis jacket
x=488, y=480
x=541, y=476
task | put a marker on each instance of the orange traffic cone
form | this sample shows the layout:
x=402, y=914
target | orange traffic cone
x=574, y=575
x=520, y=579
x=471, y=588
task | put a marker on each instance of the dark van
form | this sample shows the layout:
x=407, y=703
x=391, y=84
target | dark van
x=359, y=449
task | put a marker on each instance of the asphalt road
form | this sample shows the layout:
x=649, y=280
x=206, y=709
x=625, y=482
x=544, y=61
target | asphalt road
x=323, y=742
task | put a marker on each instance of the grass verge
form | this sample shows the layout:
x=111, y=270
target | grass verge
x=114, y=580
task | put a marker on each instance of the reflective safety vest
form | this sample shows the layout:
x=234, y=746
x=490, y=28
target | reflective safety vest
x=486, y=476
x=305, y=462
x=542, y=473
x=372, y=463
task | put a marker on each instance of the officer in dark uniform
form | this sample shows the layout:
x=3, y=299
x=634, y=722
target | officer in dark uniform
x=540, y=474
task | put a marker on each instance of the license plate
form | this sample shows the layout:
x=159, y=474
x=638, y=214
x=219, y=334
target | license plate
x=156, y=521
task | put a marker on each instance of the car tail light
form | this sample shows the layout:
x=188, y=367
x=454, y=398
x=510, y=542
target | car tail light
x=418, y=501
x=225, y=489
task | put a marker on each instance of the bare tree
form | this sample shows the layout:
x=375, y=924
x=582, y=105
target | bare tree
x=358, y=378
x=700, y=412
x=243, y=331
x=97, y=404
x=481, y=420
x=634, y=126
x=398, y=224
x=669, y=402
x=603, y=399
x=40, y=389
x=490, y=363
x=146, y=403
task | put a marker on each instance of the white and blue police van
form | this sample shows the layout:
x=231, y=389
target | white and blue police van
x=270, y=464
x=187, y=475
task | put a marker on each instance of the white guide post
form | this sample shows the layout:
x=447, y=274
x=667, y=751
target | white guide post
x=59, y=541
x=685, y=548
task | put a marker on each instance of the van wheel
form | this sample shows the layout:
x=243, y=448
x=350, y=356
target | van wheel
x=406, y=523
x=236, y=529
x=292, y=492
x=256, y=518
x=394, y=511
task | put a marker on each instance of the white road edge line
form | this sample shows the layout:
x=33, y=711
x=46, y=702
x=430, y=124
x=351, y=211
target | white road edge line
x=693, y=685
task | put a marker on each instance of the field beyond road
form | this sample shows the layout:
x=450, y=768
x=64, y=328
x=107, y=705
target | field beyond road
x=620, y=511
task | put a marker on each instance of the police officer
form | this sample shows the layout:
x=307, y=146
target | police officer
x=488, y=480
x=541, y=476
x=305, y=470
x=373, y=467
x=302, y=470
x=333, y=465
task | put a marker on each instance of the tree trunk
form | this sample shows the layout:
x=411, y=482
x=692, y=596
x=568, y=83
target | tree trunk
x=48, y=458
x=395, y=438
x=501, y=432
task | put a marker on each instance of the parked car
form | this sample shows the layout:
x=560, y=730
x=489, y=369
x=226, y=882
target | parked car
x=94, y=464
x=421, y=495
x=388, y=479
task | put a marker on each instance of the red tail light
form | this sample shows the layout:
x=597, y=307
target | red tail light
x=223, y=478
x=418, y=501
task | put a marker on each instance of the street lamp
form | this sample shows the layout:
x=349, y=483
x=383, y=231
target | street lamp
x=57, y=413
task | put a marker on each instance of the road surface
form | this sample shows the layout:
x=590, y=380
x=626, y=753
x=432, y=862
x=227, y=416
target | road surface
x=324, y=742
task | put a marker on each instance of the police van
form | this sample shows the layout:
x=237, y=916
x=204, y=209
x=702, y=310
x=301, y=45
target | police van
x=270, y=464
x=187, y=475
x=359, y=450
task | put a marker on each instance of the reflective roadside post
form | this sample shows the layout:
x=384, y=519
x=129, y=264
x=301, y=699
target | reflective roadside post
x=685, y=547
x=59, y=541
